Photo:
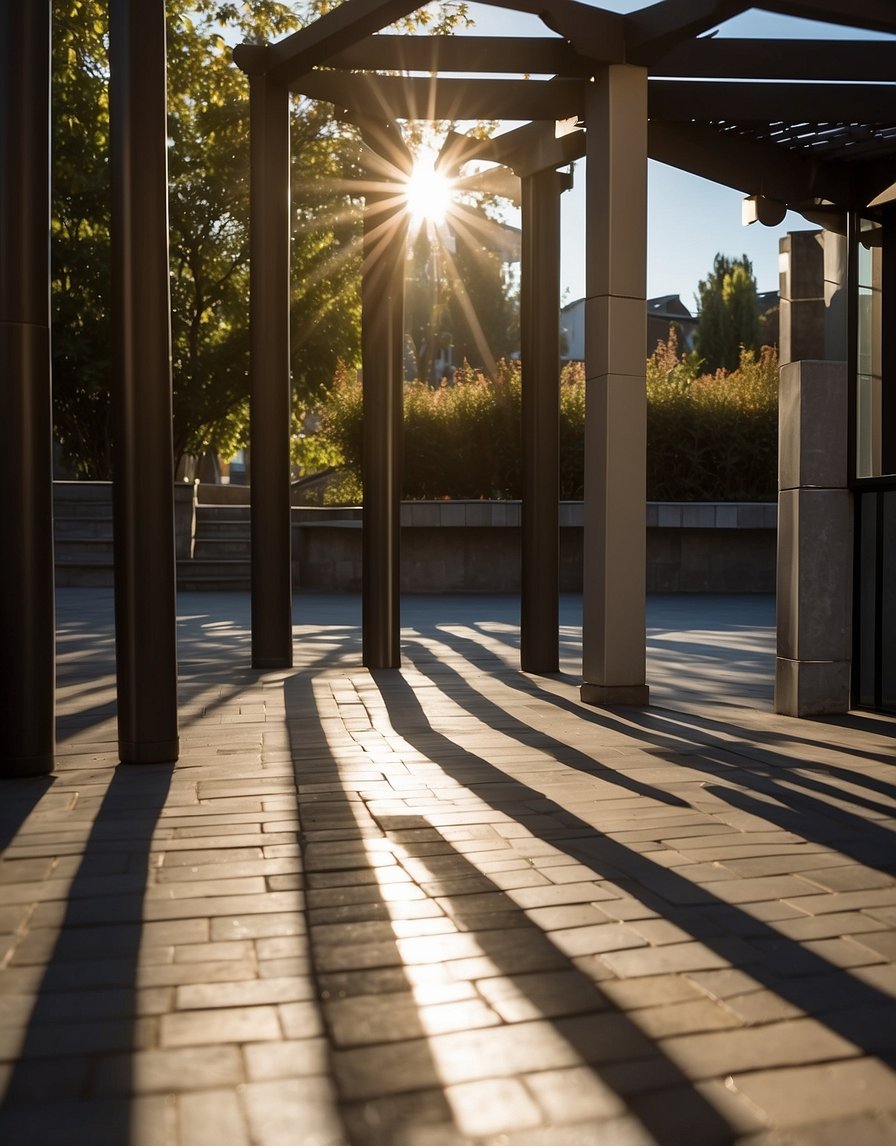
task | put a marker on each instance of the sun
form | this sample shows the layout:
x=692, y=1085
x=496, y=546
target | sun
x=427, y=191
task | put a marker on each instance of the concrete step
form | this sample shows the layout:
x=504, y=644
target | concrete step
x=65, y=528
x=203, y=575
x=209, y=513
x=220, y=548
x=84, y=574
x=84, y=549
x=215, y=528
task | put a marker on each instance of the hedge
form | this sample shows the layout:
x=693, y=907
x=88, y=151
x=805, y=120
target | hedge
x=709, y=437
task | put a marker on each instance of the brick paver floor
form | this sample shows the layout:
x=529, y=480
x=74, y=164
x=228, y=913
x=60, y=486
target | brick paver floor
x=450, y=904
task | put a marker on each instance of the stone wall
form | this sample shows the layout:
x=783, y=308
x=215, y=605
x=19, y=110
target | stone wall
x=474, y=547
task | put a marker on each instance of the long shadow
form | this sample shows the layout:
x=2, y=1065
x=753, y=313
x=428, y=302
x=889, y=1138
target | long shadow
x=805, y=809
x=74, y=977
x=717, y=748
x=545, y=1013
x=879, y=725
x=18, y=799
x=847, y=1006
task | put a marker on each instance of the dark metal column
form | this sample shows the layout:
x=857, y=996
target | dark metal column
x=27, y=617
x=270, y=375
x=540, y=354
x=145, y=586
x=382, y=306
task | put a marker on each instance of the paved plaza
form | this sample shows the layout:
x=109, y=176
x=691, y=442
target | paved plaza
x=450, y=904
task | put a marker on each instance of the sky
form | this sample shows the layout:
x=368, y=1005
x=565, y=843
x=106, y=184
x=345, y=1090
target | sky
x=690, y=220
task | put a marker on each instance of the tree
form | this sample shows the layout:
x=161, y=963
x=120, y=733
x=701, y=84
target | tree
x=80, y=269
x=208, y=124
x=728, y=319
x=457, y=294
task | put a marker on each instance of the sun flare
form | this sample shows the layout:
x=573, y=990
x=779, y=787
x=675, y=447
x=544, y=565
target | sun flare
x=428, y=192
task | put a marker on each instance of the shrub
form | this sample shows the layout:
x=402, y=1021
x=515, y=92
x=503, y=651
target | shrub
x=713, y=437
x=710, y=437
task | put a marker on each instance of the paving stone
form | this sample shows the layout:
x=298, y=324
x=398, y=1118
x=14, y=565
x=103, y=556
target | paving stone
x=142, y=1121
x=248, y=992
x=210, y=1117
x=649, y=991
x=162, y=1071
x=366, y=1020
x=493, y=1106
x=212, y=952
x=51, y=1039
x=662, y=960
x=848, y=878
x=223, y=1024
x=275, y=1108
x=882, y=943
x=259, y=926
x=521, y=998
x=287, y=1058
x=702, y=1114
x=795, y=1095
x=717, y=1053
x=597, y=939
x=575, y=1094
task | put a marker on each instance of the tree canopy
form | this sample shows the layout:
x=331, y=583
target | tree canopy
x=208, y=126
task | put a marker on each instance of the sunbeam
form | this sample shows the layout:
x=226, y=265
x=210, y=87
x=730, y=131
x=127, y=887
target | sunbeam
x=428, y=192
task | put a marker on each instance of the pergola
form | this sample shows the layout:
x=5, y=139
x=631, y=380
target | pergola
x=807, y=125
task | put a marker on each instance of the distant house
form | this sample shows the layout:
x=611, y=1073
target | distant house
x=661, y=313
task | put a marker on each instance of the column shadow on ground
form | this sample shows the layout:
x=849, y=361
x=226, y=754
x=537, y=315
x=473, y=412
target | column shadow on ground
x=846, y=1005
x=749, y=757
x=76, y=975
x=386, y=1061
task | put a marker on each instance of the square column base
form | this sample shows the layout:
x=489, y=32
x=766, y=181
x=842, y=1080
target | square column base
x=610, y=695
x=811, y=688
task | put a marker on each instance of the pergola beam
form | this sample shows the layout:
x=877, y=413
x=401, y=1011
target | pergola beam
x=863, y=61
x=398, y=97
x=534, y=147
x=335, y=30
x=537, y=55
x=651, y=32
x=593, y=32
x=871, y=15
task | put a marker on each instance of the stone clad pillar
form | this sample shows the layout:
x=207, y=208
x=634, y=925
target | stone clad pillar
x=815, y=544
x=27, y=612
x=613, y=626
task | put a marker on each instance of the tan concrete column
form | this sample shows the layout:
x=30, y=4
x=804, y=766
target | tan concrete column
x=613, y=633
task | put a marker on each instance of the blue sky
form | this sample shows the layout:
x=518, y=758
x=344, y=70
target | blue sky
x=689, y=219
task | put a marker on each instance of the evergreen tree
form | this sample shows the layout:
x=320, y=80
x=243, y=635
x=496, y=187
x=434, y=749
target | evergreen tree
x=728, y=319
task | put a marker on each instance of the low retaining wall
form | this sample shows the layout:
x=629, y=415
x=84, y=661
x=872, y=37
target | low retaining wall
x=447, y=546
x=474, y=547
